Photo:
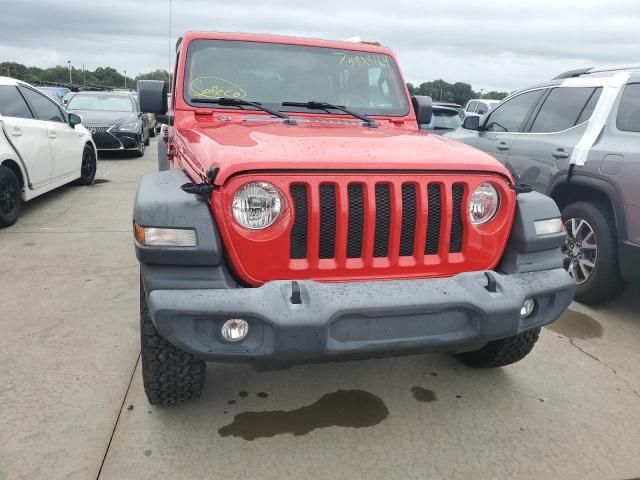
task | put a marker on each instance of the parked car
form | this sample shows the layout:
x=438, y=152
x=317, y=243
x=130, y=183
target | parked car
x=114, y=120
x=305, y=217
x=443, y=119
x=55, y=93
x=568, y=140
x=455, y=106
x=479, y=106
x=42, y=147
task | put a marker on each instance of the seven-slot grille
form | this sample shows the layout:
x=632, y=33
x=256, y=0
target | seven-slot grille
x=395, y=209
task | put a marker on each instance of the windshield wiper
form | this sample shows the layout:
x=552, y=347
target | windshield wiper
x=235, y=102
x=315, y=105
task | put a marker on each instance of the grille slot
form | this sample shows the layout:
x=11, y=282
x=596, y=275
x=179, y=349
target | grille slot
x=327, y=247
x=300, y=221
x=383, y=220
x=455, y=241
x=355, y=229
x=104, y=139
x=434, y=217
x=408, y=230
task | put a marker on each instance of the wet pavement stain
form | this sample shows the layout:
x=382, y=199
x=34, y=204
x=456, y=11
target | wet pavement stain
x=243, y=394
x=423, y=394
x=101, y=180
x=262, y=394
x=148, y=452
x=344, y=408
x=574, y=324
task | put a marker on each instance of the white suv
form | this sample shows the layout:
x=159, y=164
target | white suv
x=479, y=106
x=42, y=147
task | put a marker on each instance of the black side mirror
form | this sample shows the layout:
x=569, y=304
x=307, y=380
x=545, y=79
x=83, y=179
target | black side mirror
x=472, y=122
x=423, y=107
x=152, y=95
x=74, y=119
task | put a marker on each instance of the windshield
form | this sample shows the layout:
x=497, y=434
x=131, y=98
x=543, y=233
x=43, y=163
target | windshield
x=271, y=74
x=109, y=103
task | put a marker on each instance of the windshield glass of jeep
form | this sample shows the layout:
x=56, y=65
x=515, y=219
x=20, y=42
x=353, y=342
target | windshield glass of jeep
x=368, y=83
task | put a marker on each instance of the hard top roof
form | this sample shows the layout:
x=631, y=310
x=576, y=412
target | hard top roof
x=370, y=47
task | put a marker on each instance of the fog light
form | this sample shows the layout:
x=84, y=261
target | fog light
x=235, y=330
x=527, y=308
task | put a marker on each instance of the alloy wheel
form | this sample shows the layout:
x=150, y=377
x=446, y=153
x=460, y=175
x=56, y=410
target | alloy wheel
x=88, y=164
x=580, y=249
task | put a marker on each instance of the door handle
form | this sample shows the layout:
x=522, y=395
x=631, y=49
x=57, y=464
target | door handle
x=560, y=153
x=503, y=146
x=52, y=136
x=16, y=132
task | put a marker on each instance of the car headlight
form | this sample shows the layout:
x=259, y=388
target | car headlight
x=483, y=204
x=256, y=205
x=130, y=127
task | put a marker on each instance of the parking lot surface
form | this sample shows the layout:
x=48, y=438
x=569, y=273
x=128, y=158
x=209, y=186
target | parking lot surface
x=72, y=403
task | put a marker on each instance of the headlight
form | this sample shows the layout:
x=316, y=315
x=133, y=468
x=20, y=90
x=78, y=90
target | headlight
x=483, y=204
x=256, y=205
x=129, y=126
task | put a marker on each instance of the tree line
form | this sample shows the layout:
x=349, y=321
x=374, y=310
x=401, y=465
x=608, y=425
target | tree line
x=438, y=90
x=101, y=76
x=459, y=92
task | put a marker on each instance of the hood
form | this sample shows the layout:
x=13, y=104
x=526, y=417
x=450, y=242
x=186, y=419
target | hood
x=240, y=146
x=103, y=118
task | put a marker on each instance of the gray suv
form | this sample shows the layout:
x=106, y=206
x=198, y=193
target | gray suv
x=577, y=139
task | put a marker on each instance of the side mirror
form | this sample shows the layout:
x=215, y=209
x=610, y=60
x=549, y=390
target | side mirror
x=74, y=119
x=471, y=122
x=423, y=108
x=152, y=95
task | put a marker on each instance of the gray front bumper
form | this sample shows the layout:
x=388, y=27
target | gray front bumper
x=359, y=319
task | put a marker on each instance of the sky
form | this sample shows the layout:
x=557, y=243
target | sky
x=491, y=44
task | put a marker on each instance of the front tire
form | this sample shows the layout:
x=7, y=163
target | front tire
x=499, y=353
x=590, y=252
x=10, y=197
x=170, y=375
x=88, y=167
x=152, y=131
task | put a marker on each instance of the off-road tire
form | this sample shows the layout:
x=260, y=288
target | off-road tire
x=10, y=205
x=605, y=282
x=170, y=375
x=499, y=353
x=88, y=167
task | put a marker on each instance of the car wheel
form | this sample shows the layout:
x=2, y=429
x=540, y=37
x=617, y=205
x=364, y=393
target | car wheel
x=10, y=197
x=499, y=353
x=169, y=375
x=140, y=151
x=147, y=140
x=152, y=132
x=88, y=167
x=590, y=251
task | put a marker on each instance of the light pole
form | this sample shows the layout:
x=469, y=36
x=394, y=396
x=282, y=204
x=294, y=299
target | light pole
x=125, y=79
x=84, y=77
x=69, y=63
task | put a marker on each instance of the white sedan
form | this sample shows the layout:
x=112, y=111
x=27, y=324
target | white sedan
x=42, y=147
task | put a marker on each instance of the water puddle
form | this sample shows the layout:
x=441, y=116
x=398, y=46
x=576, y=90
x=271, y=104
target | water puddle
x=344, y=408
x=574, y=324
x=423, y=394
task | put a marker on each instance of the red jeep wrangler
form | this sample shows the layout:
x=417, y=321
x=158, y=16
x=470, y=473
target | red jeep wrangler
x=304, y=216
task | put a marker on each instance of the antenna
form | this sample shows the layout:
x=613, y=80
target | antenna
x=169, y=70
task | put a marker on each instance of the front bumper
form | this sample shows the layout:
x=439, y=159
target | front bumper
x=359, y=319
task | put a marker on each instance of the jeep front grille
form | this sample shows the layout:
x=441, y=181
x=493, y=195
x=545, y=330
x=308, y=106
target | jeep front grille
x=359, y=226
x=386, y=208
